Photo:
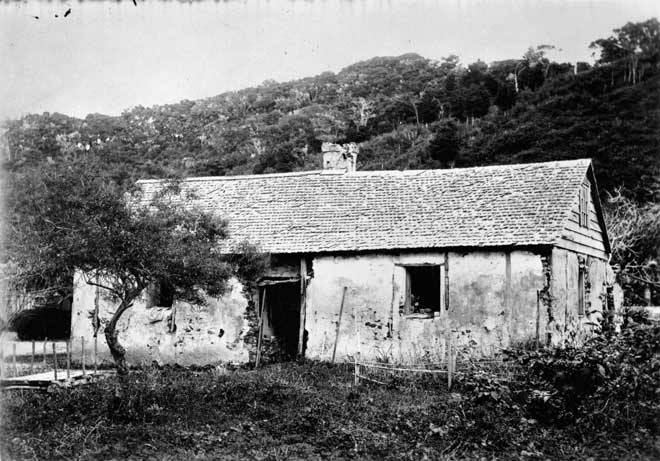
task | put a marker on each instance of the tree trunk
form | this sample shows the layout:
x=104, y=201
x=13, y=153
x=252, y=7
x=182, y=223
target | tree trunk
x=112, y=338
x=515, y=79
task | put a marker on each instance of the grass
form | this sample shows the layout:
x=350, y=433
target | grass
x=288, y=411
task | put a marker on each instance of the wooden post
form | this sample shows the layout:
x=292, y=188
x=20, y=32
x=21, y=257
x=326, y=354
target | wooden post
x=44, y=351
x=13, y=358
x=303, y=306
x=449, y=361
x=2, y=361
x=32, y=361
x=68, y=358
x=95, y=349
x=357, y=348
x=538, y=320
x=260, y=330
x=82, y=353
x=96, y=325
x=54, y=360
x=341, y=309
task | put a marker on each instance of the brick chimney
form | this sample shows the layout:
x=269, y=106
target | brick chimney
x=339, y=156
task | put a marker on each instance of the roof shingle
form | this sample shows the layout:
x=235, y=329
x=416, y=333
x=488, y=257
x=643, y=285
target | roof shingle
x=324, y=211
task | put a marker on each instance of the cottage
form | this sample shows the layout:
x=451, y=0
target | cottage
x=388, y=263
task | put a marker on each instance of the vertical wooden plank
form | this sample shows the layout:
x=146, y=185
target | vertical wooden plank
x=341, y=310
x=443, y=307
x=303, y=306
x=260, y=329
x=82, y=354
x=408, y=300
x=44, y=351
x=54, y=360
x=447, y=281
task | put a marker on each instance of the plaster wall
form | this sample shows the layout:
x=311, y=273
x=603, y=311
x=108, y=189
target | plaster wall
x=492, y=302
x=204, y=334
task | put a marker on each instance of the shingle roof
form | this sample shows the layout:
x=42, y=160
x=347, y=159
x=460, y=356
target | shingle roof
x=316, y=211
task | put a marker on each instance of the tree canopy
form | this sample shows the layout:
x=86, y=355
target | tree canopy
x=74, y=218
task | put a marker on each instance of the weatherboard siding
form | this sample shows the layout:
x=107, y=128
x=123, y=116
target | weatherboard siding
x=584, y=240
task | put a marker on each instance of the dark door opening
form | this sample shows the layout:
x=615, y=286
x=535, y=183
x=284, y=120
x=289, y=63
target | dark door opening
x=283, y=310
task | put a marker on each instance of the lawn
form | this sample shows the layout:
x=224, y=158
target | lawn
x=288, y=411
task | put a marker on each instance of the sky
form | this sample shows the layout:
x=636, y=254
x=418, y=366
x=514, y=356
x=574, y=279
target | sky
x=107, y=56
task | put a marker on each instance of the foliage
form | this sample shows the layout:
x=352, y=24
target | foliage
x=517, y=110
x=297, y=410
x=608, y=383
x=71, y=219
x=634, y=231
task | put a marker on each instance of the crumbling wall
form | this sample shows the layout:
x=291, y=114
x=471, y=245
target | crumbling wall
x=569, y=326
x=200, y=335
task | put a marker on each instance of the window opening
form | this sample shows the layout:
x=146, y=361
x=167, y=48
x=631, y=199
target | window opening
x=584, y=205
x=162, y=295
x=424, y=289
x=581, y=292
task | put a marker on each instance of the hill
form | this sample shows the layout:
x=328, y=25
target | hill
x=405, y=111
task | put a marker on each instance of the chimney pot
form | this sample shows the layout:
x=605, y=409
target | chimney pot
x=339, y=156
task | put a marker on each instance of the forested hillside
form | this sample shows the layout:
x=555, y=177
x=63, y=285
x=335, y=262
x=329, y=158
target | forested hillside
x=406, y=112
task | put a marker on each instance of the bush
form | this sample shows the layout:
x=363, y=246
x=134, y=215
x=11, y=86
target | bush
x=611, y=382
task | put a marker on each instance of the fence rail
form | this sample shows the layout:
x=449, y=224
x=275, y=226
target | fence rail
x=25, y=358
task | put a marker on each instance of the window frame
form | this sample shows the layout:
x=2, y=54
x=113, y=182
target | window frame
x=443, y=285
x=583, y=207
x=582, y=293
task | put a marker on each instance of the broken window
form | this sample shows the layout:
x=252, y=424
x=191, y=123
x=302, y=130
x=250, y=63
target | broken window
x=584, y=205
x=425, y=292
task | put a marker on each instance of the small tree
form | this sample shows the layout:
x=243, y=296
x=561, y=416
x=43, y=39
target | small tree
x=67, y=218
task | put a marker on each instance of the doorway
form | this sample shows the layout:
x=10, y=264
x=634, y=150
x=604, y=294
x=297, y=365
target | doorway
x=282, y=310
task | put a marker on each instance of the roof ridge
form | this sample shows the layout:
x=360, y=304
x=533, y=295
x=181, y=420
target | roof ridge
x=585, y=161
x=235, y=177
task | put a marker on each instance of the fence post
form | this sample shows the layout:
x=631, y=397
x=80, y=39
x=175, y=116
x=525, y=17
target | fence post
x=341, y=310
x=357, y=349
x=54, y=360
x=82, y=353
x=68, y=358
x=95, y=348
x=538, y=320
x=449, y=361
x=32, y=361
x=44, y=351
x=13, y=358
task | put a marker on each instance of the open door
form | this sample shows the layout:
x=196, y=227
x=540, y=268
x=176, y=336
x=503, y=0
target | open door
x=281, y=311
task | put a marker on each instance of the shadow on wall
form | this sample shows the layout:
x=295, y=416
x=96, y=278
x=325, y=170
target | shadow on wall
x=52, y=321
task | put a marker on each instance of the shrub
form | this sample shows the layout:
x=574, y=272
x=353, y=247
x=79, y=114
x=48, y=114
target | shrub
x=612, y=381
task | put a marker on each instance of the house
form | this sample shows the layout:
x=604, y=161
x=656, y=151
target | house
x=387, y=263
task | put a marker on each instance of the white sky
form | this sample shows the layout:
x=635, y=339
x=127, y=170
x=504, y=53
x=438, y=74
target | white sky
x=107, y=56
